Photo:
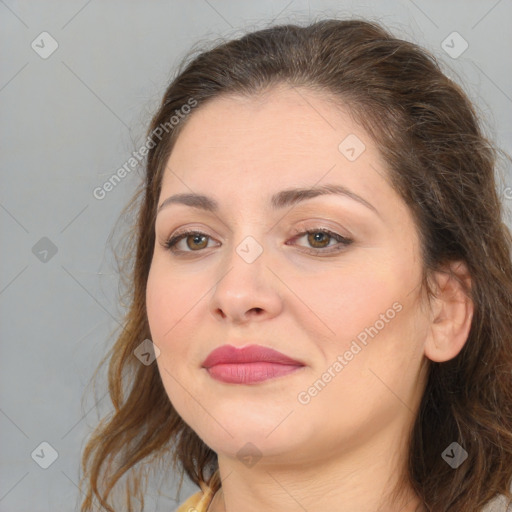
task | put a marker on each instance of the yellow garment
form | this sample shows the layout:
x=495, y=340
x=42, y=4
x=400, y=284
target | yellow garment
x=200, y=501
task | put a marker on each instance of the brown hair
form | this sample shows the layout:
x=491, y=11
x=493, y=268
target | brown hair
x=442, y=166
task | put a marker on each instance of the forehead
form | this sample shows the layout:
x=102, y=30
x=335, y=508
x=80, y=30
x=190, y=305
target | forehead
x=279, y=119
x=285, y=136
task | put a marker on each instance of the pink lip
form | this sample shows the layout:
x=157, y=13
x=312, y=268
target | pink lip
x=246, y=365
x=227, y=354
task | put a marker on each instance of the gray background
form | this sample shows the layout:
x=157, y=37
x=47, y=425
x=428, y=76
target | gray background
x=68, y=122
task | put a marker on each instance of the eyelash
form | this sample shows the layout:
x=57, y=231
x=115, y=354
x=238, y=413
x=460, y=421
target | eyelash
x=172, y=241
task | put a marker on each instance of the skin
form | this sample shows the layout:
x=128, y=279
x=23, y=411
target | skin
x=347, y=445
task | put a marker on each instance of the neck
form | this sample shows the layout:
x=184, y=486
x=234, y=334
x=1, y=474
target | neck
x=359, y=480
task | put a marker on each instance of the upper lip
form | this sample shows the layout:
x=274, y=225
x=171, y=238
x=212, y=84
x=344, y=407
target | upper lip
x=227, y=354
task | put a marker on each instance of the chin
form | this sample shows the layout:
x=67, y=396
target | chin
x=268, y=441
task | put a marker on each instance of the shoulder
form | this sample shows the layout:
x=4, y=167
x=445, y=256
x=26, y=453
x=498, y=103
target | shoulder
x=198, y=502
x=498, y=504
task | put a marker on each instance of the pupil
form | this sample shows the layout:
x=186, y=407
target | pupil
x=198, y=240
x=319, y=238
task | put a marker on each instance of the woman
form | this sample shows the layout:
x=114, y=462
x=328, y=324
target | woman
x=322, y=286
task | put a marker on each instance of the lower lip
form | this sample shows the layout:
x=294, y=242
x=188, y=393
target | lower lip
x=248, y=373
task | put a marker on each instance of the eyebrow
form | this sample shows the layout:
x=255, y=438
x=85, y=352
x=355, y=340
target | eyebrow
x=282, y=199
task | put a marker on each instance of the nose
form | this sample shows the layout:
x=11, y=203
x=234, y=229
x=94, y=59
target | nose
x=247, y=290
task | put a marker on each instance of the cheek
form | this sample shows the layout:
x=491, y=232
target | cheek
x=167, y=302
x=367, y=311
x=345, y=300
x=170, y=299
x=159, y=305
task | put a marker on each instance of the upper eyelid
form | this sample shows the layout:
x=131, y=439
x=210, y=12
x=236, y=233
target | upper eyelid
x=296, y=231
x=302, y=223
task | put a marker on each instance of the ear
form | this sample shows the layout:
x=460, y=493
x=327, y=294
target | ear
x=452, y=313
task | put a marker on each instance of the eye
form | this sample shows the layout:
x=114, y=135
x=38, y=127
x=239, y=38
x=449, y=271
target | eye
x=194, y=240
x=320, y=239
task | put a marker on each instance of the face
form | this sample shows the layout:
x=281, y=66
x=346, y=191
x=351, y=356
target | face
x=330, y=280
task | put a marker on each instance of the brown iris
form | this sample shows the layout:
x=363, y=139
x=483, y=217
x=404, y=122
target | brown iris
x=196, y=241
x=318, y=238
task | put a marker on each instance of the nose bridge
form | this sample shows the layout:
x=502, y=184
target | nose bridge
x=244, y=266
x=245, y=287
x=249, y=250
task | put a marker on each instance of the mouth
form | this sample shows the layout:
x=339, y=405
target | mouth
x=248, y=365
x=248, y=373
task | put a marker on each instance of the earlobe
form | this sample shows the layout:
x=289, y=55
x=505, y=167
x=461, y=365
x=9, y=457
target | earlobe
x=452, y=313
